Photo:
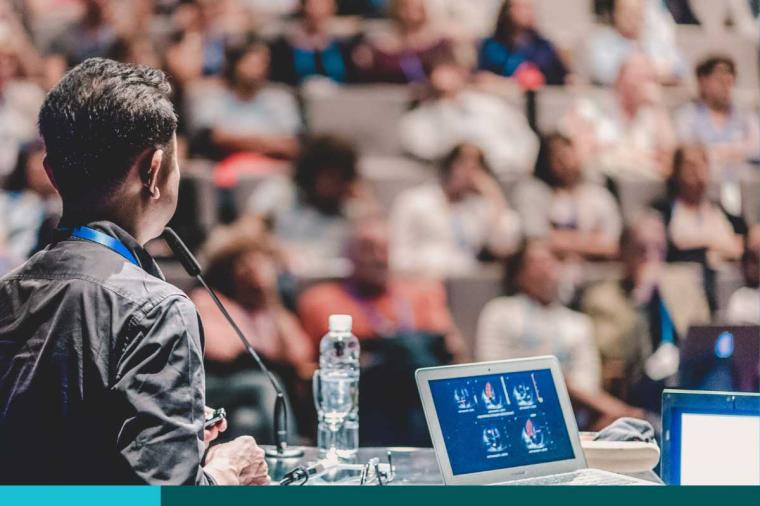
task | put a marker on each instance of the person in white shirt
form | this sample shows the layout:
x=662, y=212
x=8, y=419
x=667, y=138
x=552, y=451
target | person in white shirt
x=455, y=114
x=441, y=228
x=744, y=304
x=637, y=25
x=631, y=133
x=577, y=217
x=532, y=322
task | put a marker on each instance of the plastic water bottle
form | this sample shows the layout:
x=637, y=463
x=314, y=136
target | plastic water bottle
x=336, y=390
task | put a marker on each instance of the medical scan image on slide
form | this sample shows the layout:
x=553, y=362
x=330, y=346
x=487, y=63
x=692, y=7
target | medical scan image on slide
x=500, y=421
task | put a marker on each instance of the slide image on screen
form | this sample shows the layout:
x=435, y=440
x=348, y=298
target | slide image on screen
x=500, y=421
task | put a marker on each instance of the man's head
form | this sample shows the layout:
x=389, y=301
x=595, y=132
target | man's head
x=448, y=77
x=534, y=271
x=317, y=12
x=109, y=130
x=636, y=83
x=716, y=77
x=368, y=250
x=751, y=257
x=460, y=168
x=691, y=174
x=628, y=17
x=246, y=63
x=326, y=172
x=409, y=14
x=559, y=163
x=643, y=243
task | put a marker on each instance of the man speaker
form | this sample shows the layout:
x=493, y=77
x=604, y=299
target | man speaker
x=101, y=360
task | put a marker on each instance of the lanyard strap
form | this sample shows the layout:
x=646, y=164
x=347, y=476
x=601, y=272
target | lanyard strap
x=115, y=245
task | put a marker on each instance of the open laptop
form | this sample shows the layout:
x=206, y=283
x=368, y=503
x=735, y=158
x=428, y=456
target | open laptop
x=721, y=357
x=710, y=438
x=506, y=423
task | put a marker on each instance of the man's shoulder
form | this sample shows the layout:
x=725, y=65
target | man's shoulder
x=91, y=268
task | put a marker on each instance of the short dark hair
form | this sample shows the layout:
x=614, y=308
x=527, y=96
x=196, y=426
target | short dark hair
x=98, y=120
x=447, y=162
x=325, y=152
x=706, y=66
x=543, y=169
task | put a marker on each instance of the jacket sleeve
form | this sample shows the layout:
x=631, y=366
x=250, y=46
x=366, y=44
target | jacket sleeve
x=159, y=390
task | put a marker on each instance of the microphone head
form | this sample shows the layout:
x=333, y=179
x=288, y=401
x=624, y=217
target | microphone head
x=181, y=251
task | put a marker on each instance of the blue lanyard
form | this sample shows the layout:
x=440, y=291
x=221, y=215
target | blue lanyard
x=115, y=245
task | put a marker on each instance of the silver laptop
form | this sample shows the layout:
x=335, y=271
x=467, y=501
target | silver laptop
x=506, y=423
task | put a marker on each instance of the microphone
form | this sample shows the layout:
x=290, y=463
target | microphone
x=188, y=261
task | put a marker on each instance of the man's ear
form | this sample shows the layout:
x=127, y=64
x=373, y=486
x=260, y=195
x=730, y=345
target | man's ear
x=152, y=176
x=49, y=172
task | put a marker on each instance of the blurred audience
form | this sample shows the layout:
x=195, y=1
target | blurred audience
x=310, y=212
x=29, y=205
x=454, y=113
x=698, y=230
x=467, y=19
x=382, y=305
x=92, y=35
x=248, y=115
x=630, y=134
x=516, y=45
x=309, y=48
x=404, y=52
x=578, y=218
x=443, y=228
x=530, y=322
x=242, y=267
x=730, y=134
x=637, y=26
x=744, y=304
x=653, y=304
x=20, y=101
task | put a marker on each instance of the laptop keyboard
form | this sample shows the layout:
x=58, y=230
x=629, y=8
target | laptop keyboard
x=580, y=478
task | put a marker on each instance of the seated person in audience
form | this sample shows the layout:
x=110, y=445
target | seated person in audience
x=516, y=45
x=241, y=265
x=382, y=304
x=454, y=114
x=20, y=101
x=248, y=115
x=403, y=324
x=92, y=35
x=744, y=304
x=530, y=322
x=309, y=48
x=578, y=218
x=731, y=135
x=637, y=26
x=403, y=53
x=630, y=134
x=654, y=303
x=310, y=213
x=697, y=229
x=30, y=207
x=443, y=228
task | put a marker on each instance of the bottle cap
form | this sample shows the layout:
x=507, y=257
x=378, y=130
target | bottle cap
x=340, y=323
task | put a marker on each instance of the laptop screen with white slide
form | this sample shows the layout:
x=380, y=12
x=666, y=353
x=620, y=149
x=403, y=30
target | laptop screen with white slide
x=500, y=421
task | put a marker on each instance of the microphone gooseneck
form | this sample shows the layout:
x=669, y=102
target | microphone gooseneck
x=190, y=264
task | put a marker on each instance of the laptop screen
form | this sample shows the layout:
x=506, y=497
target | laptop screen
x=501, y=421
x=707, y=457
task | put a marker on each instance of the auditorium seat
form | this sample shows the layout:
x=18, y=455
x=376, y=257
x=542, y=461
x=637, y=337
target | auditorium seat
x=565, y=22
x=468, y=293
x=636, y=195
x=389, y=176
x=368, y=115
x=728, y=279
x=751, y=198
x=553, y=102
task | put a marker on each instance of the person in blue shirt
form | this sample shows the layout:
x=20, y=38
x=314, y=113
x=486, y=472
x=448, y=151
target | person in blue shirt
x=516, y=41
x=310, y=48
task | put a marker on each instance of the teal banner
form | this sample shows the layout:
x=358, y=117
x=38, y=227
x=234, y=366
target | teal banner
x=64, y=495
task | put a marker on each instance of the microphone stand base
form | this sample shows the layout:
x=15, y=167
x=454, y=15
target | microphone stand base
x=293, y=452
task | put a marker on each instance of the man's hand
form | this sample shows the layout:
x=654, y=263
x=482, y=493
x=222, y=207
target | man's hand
x=239, y=462
x=213, y=432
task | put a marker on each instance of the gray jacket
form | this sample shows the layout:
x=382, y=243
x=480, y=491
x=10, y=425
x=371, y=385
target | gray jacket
x=101, y=370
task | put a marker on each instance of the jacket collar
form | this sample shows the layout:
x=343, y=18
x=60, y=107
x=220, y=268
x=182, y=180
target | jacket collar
x=146, y=261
